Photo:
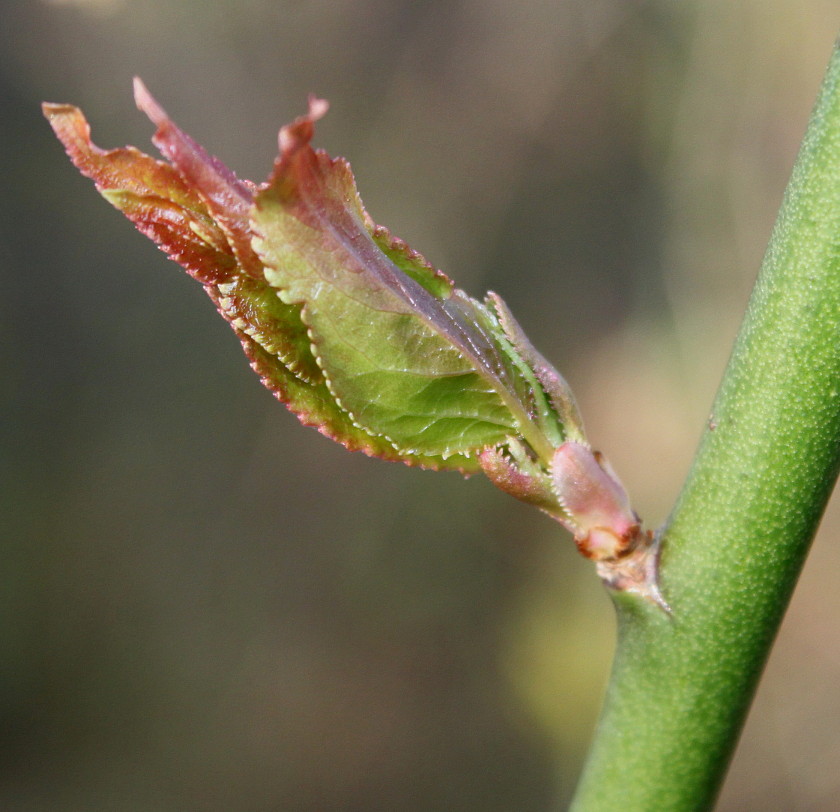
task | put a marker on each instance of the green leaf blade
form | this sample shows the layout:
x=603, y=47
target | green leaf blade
x=414, y=388
x=196, y=210
x=407, y=355
x=314, y=406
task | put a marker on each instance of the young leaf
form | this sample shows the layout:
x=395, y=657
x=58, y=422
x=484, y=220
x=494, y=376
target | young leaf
x=419, y=366
x=175, y=212
x=563, y=408
x=152, y=194
x=228, y=199
x=361, y=337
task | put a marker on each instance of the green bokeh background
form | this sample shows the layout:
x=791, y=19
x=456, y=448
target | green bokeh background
x=205, y=606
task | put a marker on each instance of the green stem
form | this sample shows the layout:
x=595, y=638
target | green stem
x=739, y=534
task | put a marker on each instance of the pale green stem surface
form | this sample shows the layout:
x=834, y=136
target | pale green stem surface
x=739, y=534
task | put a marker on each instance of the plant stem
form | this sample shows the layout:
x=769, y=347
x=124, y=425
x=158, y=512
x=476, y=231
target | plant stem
x=738, y=536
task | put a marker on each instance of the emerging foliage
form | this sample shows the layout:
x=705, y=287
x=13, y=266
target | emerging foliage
x=357, y=333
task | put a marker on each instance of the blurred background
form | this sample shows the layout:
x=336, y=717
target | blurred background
x=205, y=606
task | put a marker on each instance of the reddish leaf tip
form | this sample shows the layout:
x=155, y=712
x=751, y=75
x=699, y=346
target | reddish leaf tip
x=317, y=107
x=299, y=133
x=147, y=103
